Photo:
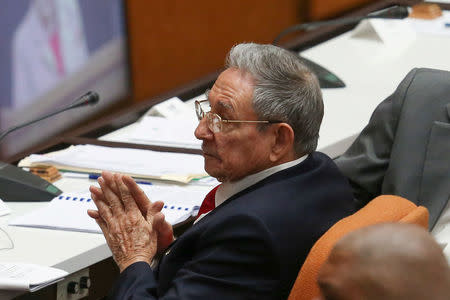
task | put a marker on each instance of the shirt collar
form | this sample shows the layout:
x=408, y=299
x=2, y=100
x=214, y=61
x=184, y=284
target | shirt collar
x=228, y=189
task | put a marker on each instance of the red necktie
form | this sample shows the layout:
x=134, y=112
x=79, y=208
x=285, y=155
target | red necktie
x=209, y=203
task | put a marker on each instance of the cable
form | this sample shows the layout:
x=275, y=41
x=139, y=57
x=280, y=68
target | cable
x=10, y=240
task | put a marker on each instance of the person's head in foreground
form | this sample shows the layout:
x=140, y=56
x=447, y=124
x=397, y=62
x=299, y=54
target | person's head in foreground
x=386, y=261
x=265, y=109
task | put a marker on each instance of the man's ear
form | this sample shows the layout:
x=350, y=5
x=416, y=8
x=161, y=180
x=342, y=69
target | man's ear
x=283, y=143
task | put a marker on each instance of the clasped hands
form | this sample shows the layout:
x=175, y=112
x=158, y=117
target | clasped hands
x=133, y=226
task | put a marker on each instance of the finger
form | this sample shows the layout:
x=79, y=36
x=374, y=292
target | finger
x=164, y=230
x=138, y=194
x=109, y=179
x=102, y=224
x=96, y=191
x=104, y=210
x=156, y=207
x=163, y=227
x=125, y=195
x=111, y=199
x=93, y=213
x=97, y=195
x=158, y=221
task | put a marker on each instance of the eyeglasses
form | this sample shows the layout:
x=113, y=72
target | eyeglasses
x=214, y=121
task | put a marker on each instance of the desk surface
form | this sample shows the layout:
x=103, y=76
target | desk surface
x=371, y=71
x=67, y=250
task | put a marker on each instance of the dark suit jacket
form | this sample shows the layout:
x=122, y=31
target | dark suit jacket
x=253, y=245
x=405, y=148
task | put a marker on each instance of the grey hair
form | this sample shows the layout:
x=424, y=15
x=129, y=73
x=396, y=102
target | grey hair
x=285, y=89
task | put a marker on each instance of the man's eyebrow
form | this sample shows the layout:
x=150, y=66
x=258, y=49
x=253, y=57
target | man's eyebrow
x=225, y=105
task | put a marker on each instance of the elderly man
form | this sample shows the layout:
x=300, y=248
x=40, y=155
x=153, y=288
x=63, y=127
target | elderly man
x=259, y=126
x=386, y=261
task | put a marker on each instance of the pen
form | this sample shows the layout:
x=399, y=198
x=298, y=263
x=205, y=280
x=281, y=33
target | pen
x=96, y=176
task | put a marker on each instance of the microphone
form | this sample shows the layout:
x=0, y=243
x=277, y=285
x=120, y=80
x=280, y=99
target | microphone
x=393, y=12
x=325, y=77
x=90, y=98
x=17, y=185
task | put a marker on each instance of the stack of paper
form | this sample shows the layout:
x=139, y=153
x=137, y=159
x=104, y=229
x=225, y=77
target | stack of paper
x=166, y=132
x=69, y=210
x=28, y=277
x=134, y=162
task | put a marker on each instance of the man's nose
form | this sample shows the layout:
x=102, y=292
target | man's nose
x=202, y=132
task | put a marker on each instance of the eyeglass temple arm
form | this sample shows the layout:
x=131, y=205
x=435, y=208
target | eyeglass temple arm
x=252, y=121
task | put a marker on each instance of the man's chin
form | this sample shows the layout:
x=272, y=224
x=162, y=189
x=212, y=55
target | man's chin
x=214, y=170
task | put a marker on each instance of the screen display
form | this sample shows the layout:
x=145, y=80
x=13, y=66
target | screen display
x=52, y=52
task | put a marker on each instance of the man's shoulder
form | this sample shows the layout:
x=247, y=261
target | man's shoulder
x=316, y=178
x=316, y=162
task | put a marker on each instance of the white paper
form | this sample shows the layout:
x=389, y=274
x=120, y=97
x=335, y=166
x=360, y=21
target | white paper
x=28, y=277
x=136, y=162
x=69, y=210
x=434, y=26
x=438, y=1
x=179, y=203
x=4, y=209
x=167, y=132
x=66, y=212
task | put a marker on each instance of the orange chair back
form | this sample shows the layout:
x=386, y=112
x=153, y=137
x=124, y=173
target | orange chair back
x=386, y=208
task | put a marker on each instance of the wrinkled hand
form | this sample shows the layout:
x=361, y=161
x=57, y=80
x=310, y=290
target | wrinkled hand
x=162, y=227
x=130, y=235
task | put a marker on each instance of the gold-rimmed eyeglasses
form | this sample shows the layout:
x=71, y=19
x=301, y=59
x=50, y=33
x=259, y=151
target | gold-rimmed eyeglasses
x=214, y=121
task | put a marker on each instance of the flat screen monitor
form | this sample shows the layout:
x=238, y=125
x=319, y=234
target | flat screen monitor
x=52, y=52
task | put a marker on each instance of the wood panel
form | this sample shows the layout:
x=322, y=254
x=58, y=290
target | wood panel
x=324, y=9
x=173, y=42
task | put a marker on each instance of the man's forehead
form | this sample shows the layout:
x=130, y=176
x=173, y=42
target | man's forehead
x=220, y=103
x=233, y=87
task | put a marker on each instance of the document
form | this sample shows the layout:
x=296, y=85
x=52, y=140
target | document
x=167, y=132
x=4, y=209
x=28, y=277
x=69, y=210
x=137, y=163
x=439, y=26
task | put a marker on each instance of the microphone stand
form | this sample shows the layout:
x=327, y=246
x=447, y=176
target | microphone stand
x=17, y=185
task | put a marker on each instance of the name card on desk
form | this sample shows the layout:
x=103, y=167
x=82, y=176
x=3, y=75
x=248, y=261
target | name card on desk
x=395, y=34
x=172, y=108
x=166, y=132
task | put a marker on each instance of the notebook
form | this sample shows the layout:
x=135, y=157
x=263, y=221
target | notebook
x=68, y=211
x=28, y=277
